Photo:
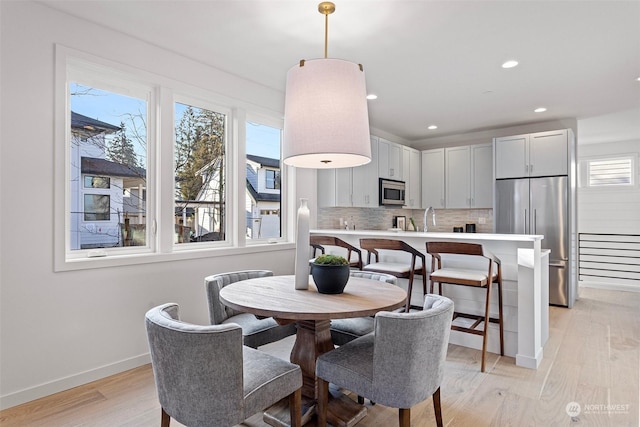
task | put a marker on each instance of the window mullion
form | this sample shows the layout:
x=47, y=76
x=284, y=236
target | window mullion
x=166, y=176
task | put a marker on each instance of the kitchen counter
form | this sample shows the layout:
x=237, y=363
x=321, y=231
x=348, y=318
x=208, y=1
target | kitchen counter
x=525, y=273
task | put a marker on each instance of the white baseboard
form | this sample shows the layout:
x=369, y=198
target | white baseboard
x=610, y=286
x=52, y=387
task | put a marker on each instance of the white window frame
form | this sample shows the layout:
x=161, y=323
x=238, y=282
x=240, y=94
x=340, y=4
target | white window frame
x=160, y=165
x=98, y=73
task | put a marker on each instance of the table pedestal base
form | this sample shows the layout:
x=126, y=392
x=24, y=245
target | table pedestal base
x=342, y=412
x=313, y=338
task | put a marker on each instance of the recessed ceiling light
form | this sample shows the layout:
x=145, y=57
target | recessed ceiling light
x=432, y=127
x=372, y=96
x=510, y=64
x=540, y=110
x=638, y=79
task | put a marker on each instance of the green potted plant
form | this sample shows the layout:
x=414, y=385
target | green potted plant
x=330, y=273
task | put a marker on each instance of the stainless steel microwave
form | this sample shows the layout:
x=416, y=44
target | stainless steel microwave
x=391, y=192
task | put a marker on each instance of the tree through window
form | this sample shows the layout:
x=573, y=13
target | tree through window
x=200, y=173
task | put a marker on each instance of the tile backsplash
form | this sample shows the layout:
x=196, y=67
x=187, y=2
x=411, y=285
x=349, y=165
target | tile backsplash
x=382, y=218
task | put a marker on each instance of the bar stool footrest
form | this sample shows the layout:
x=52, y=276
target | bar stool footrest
x=472, y=329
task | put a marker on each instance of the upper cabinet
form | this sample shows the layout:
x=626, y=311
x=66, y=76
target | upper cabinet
x=345, y=187
x=482, y=176
x=532, y=155
x=469, y=177
x=334, y=187
x=433, y=178
x=365, y=180
x=389, y=160
x=411, y=172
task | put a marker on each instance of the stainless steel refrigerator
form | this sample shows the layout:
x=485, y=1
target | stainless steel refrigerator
x=540, y=206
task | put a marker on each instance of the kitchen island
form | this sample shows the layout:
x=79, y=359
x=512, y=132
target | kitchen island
x=525, y=274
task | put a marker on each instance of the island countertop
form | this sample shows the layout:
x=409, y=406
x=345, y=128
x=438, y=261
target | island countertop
x=525, y=272
x=397, y=234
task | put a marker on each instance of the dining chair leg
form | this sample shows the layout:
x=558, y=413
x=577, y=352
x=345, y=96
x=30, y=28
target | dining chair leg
x=165, y=419
x=323, y=401
x=295, y=408
x=404, y=417
x=437, y=408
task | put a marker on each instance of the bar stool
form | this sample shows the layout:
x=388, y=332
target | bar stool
x=318, y=243
x=398, y=269
x=469, y=277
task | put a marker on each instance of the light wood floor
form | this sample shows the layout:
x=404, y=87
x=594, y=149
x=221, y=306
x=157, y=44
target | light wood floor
x=592, y=358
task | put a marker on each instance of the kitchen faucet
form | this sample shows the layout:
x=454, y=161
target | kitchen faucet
x=426, y=214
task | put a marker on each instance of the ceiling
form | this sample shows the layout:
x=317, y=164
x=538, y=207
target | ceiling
x=429, y=62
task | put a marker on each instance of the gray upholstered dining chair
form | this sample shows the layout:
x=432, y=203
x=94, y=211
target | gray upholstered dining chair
x=399, y=365
x=206, y=377
x=345, y=330
x=255, y=331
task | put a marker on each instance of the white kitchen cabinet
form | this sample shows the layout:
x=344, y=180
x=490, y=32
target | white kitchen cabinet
x=334, y=187
x=389, y=160
x=365, y=180
x=482, y=176
x=457, y=177
x=548, y=153
x=532, y=155
x=346, y=187
x=411, y=172
x=433, y=178
x=469, y=177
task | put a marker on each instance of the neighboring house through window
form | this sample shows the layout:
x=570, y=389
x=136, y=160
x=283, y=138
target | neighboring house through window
x=263, y=201
x=100, y=214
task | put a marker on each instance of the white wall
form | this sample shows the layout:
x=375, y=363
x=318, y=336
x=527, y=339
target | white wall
x=58, y=330
x=610, y=210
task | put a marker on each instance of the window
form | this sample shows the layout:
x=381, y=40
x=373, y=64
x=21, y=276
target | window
x=608, y=172
x=273, y=179
x=97, y=208
x=263, y=196
x=107, y=148
x=96, y=181
x=200, y=174
x=151, y=168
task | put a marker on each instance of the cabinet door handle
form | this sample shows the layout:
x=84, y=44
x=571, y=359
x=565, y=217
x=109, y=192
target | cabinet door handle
x=530, y=168
x=391, y=172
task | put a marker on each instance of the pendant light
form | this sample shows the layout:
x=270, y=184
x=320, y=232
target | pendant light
x=326, y=120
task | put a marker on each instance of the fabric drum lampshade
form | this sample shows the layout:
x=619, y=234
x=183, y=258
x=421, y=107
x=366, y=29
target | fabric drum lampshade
x=326, y=116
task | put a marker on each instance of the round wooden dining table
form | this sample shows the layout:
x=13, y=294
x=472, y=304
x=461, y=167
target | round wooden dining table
x=276, y=296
